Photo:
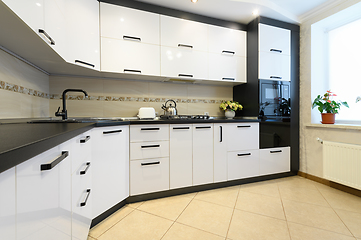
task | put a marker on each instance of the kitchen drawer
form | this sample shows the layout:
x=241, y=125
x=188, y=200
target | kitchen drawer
x=81, y=150
x=151, y=175
x=142, y=150
x=243, y=164
x=145, y=133
x=242, y=136
x=274, y=160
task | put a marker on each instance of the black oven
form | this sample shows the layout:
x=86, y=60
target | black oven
x=274, y=99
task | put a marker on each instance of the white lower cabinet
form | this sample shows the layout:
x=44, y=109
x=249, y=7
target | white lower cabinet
x=242, y=136
x=243, y=164
x=149, y=175
x=180, y=157
x=220, y=152
x=43, y=197
x=7, y=204
x=274, y=160
x=202, y=154
x=110, y=159
x=154, y=149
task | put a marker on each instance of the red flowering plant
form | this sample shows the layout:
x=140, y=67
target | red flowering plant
x=325, y=104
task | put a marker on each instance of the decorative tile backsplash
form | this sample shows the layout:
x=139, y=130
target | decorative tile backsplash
x=32, y=92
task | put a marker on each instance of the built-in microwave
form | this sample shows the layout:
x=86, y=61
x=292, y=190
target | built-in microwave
x=275, y=98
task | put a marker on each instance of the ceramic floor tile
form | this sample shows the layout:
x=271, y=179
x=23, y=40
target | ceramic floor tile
x=302, y=232
x=183, y=232
x=264, y=188
x=305, y=195
x=246, y=225
x=138, y=226
x=261, y=204
x=90, y=238
x=296, y=182
x=189, y=195
x=206, y=216
x=135, y=205
x=314, y=216
x=109, y=222
x=341, y=200
x=169, y=208
x=223, y=196
x=352, y=221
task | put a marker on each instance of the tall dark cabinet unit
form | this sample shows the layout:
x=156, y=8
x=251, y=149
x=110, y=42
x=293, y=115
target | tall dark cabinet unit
x=249, y=94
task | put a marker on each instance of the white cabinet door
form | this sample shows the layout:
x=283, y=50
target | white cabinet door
x=226, y=40
x=83, y=44
x=180, y=159
x=149, y=175
x=202, y=154
x=129, y=57
x=243, y=164
x=274, y=160
x=220, y=152
x=242, y=136
x=227, y=67
x=129, y=24
x=181, y=33
x=43, y=197
x=274, y=39
x=7, y=204
x=110, y=160
x=184, y=63
x=274, y=66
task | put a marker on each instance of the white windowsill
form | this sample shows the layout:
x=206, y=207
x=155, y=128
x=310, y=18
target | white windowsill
x=335, y=126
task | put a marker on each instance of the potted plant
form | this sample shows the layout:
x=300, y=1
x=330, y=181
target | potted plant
x=230, y=108
x=328, y=107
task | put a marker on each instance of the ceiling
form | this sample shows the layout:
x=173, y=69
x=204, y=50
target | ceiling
x=241, y=10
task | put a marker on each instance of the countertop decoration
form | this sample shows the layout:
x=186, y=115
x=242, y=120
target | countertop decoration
x=230, y=108
x=328, y=107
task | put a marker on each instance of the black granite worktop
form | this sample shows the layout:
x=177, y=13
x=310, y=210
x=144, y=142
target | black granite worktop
x=21, y=140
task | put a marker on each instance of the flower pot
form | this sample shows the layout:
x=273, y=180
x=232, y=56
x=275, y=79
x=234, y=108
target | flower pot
x=229, y=114
x=328, y=118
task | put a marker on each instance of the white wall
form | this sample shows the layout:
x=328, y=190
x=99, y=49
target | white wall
x=310, y=149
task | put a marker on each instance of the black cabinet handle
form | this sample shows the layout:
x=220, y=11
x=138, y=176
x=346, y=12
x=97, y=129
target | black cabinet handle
x=277, y=151
x=133, y=71
x=42, y=31
x=180, y=128
x=221, y=133
x=49, y=166
x=110, y=132
x=87, y=138
x=85, y=63
x=203, y=127
x=150, y=129
x=243, y=154
x=132, y=38
x=276, y=77
x=244, y=126
x=151, y=146
x=150, y=163
x=184, y=45
x=82, y=172
x=185, y=75
x=275, y=50
x=224, y=51
x=230, y=79
x=82, y=204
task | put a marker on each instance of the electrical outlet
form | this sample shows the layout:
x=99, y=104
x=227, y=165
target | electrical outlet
x=206, y=113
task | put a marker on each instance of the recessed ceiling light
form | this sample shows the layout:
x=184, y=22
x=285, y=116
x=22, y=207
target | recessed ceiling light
x=255, y=12
x=194, y=1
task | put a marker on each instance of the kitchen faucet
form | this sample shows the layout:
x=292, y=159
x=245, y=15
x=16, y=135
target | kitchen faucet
x=64, y=112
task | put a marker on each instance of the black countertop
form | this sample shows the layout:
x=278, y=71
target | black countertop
x=21, y=140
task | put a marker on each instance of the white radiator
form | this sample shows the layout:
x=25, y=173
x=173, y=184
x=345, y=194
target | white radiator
x=342, y=163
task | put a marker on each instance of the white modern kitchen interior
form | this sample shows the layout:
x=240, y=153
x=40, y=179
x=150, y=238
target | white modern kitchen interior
x=111, y=127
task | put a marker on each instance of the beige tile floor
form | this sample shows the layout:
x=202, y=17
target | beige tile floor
x=292, y=208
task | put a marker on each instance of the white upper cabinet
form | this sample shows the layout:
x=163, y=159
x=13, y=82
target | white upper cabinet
x=226, y=41
x=227, y=67
x=181, y=33
x=274, y=66
x=82, y=18
x=129, y=24
x=274, y=39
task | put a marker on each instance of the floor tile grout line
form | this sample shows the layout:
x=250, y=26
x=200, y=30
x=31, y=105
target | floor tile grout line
x=234, y=209
x=115, y=223
x=178, y=216
x=284, y=212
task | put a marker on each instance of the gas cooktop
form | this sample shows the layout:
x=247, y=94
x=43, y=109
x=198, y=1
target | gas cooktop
x=185, y=117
